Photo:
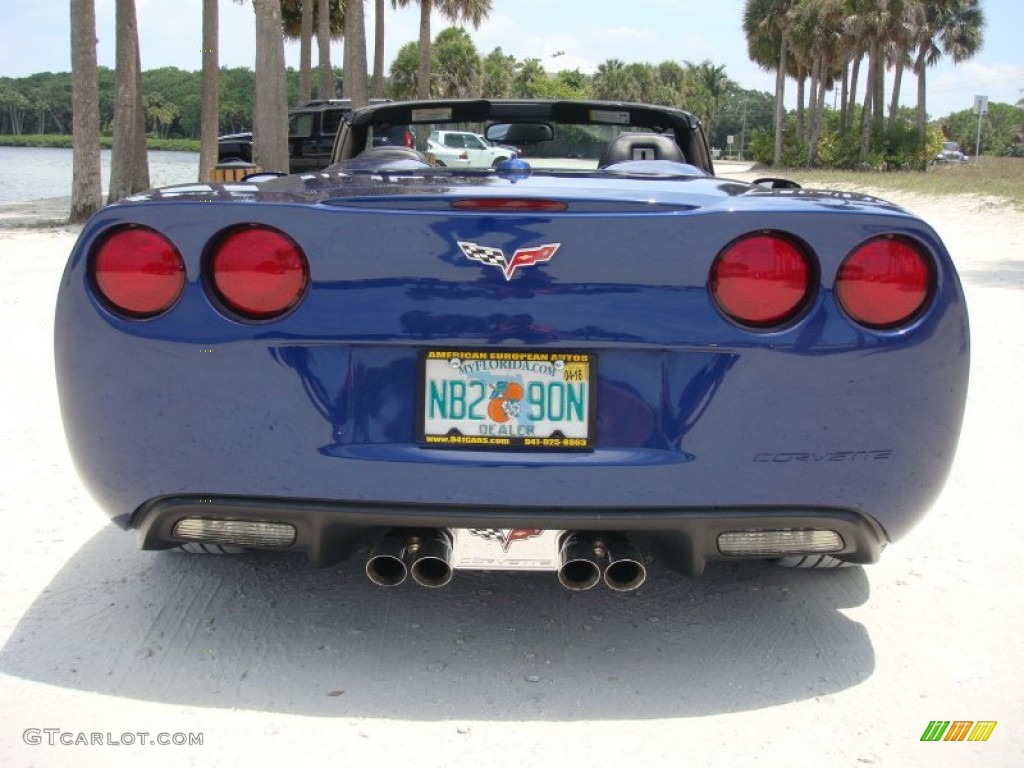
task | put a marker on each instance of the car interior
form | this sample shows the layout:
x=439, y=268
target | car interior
x=563, y=136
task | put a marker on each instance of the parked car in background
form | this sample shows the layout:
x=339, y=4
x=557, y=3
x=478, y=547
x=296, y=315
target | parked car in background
x=950, y=153
x=462, y=149
x=311, y=130
x=235, y=147
x=518, y=151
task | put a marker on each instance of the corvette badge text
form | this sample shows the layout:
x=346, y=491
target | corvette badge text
x=813, y=458
x=54, y=737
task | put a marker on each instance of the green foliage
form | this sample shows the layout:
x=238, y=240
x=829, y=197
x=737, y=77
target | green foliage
x=526, y=73
x=498, y=74
x=455, y=65
x=835, y=151
x=794, y=150
x=999, y=128
x=1014, y=150
x=402, y=80
x=63, y=141
x=567, y=86
x=762, y=146
x=902, y=149
x=740, y=114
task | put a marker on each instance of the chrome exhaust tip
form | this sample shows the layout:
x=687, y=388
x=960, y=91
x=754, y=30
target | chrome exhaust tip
x=431, y=559
x=580, y=563
x=625, y=571
x=386, y=564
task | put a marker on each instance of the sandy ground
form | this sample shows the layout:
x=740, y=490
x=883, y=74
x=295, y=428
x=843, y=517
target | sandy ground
x=278, y=664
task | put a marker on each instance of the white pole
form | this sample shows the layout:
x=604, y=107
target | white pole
x=977, y=144
x=980, y=107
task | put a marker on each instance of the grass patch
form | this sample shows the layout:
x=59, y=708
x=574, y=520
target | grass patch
x=984, y=176
x=63, y=141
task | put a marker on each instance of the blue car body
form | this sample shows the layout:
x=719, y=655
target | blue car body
x=701, y=425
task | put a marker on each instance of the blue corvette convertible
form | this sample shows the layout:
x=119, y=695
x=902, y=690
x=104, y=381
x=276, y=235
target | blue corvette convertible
x=592, y=357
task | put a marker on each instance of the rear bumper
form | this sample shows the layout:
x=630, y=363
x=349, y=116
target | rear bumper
x=681, y=538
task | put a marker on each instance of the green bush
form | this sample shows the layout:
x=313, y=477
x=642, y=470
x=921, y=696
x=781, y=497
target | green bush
x=835, y=151
x=1013, y=150
x=63, y=141
x=762, y=146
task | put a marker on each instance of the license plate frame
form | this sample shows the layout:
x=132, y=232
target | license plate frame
x=553, y=409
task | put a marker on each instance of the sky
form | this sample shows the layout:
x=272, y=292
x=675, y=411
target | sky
x=36, y=38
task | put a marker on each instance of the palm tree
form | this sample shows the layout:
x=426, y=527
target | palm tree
x=951, y=27
x=306, y=52
x=378, y=48
x=472, y=11
x=325, y=89
x=209, y=121
x=877, y=22
x=402, y=80
x=906, y=29
x=294, y=15
x=457, y=64
x=713, y=84
x=498, y=74
x=817, y=35
x=270, y=102
x=86, y=192
x=129, y=161
x=610, y=79
x=355, y=53
x=766, y=25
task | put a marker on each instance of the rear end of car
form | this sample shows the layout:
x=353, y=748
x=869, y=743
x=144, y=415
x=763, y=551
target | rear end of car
x=529, y=376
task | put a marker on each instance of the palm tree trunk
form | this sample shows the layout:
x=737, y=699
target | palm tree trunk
x=819, y=118
x=355, y=53
x=921, y=68
x=878, y=108
x=378, y=49
x=306, y=52
x=325, y=89
x=844, y=111
x=270, y=102
x=209, y=121
x=817, y=84
x=129, y=162
x=854, y=77
x=869, y=90
x=423, y=72
x=780, y=112
x=897, y=81
x=801, y=85
x=86, y=191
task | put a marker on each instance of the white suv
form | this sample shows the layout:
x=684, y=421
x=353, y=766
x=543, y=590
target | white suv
x=461, y=149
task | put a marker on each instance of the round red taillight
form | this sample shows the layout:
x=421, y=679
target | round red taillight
x=761, y=280
x=138, y=272
x=885, y=282
x=258, y=272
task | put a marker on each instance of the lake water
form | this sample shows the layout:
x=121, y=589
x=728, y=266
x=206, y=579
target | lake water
x=32, y=173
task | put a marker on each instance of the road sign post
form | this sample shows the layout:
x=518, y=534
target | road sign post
x=980, y=109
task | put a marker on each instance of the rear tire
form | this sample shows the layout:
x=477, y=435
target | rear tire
x=200, y=548
x=816, y=562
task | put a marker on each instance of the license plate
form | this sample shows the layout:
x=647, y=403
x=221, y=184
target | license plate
x=506, y=399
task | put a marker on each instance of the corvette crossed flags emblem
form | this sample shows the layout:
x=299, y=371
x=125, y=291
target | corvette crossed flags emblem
x=495, y=257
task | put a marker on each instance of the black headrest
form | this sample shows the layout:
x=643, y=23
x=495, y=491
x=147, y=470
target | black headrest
x=640, y=146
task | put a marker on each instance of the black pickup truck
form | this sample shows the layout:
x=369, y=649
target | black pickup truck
x=311, y=130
